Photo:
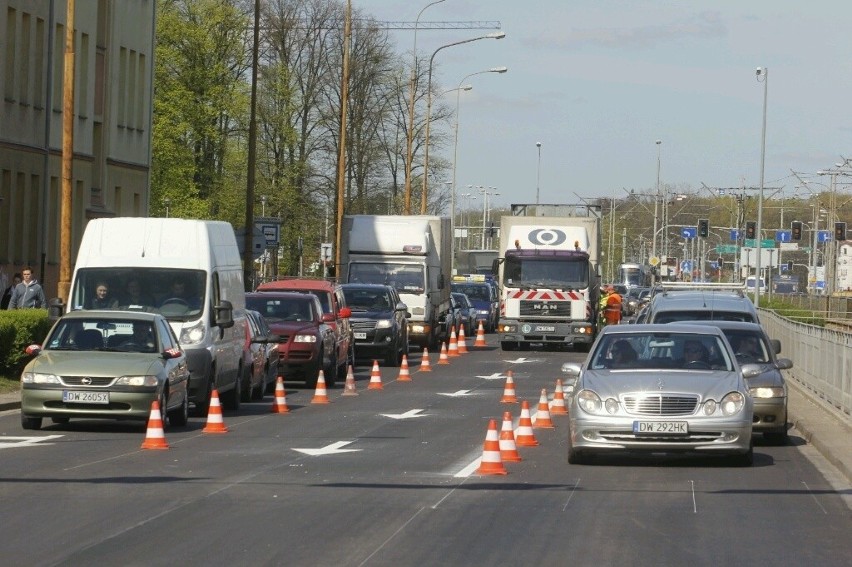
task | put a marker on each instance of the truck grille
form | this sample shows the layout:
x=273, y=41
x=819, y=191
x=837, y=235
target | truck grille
x=539, y=308
x=660, y=404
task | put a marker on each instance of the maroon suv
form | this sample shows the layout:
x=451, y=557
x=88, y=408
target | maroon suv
x=307, y=340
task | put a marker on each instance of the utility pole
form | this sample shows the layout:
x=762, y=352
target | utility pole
x=341, y=160
x=67, y=157
x=248, y=243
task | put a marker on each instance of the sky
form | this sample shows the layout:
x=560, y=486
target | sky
x=598, y=82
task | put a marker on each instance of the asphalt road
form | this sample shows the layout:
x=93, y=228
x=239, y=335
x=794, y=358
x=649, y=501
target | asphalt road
x=385, y=478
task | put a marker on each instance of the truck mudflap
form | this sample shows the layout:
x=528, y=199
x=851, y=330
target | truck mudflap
x=518, y=334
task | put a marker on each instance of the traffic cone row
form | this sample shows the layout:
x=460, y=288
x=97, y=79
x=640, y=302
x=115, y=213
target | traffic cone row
x=321, y=394
x=155, y=438
x=375, y=377
x=404, y=374
x=424, y=361
x=280, y=403
x=557, y=405
x=462, y=345
x=453, y=349
x=480, y=336
x=492, y=461
x=509, y=396
x=349, y=385
x=215, y=423
x=443, y=358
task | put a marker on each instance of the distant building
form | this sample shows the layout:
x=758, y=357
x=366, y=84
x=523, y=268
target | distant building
x=114, y=44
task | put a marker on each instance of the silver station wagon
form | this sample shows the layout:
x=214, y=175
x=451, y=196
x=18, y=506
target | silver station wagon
x=673, y=388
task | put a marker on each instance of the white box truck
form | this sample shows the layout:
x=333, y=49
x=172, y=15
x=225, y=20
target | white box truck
x=410, y=253
x=188, y=270
x=549, y=281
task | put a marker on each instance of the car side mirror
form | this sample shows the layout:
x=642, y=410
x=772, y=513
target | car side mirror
x=345, y=312
x=751, y=370
x=33, y=350
x=273, y=338
x=783, y=364
x=328, y=317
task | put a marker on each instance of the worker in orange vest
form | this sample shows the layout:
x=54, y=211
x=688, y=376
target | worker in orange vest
x=612, y=309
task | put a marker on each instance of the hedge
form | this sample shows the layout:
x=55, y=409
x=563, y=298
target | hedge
x=19, y=329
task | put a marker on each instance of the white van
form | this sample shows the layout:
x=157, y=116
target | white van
x=188, y=270
x=750, y=285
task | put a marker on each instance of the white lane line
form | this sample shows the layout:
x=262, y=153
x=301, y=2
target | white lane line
x=824, y=511
x=694, y=503
x=570, y=496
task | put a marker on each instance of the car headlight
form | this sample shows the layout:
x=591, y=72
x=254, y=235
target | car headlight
x=508, y=328
x=589, y=401
x=767, y=392
x=37, y=378
x=138, y=381
x=732, y=403
x=384, y=324
x=611, y=405
x=710, y=407
x=484, y=312
x=192, y=335
x=305, y=339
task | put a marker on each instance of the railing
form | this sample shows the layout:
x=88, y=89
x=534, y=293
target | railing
x=822, y=357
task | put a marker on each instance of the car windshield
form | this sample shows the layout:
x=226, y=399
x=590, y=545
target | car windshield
x=480, y=292
x=405, y=278
x=462, y=300
x=277, y=310
x=749, y=346
x=367, y=299
x=654, y=351
x=119, y=335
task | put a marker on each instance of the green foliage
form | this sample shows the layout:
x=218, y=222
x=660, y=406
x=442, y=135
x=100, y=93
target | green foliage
x=793, y=312
x=19, y=329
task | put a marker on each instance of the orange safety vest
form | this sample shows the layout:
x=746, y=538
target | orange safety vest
x=612, y=311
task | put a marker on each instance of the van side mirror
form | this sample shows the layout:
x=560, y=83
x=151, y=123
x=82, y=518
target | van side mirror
x=224, y=314
x=55, y=309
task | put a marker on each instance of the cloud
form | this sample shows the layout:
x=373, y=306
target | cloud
x=703, y=26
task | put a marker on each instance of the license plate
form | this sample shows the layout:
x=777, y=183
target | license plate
x=660, y=427
x=85, y=397
x=545, y=328
x=360, y=335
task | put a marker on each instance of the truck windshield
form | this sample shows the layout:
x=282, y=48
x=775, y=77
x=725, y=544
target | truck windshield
x=179, y=295
x=406, y=278
x=545, y=272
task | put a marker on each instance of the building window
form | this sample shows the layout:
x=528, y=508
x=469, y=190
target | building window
x=24, y=59
x=40, y=57
x=58, y=66
x=11, y=43
x=121, y=121
x=82, y=88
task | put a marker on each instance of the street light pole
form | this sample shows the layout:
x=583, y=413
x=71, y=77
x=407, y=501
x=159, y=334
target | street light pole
x=538, y=173
x=424, y=194
x=656, y=209
x=409, y=142
x=761, y=72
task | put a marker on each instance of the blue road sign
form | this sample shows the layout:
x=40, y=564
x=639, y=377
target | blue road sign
x=783, y=267
x=824, y=236
x=819, y=284
x=689, y=232
x=686, y=266
x=735, y=235
x=714, y=265
x=783, y=236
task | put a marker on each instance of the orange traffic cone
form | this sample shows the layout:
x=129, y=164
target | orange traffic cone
x=404, y=374
x=480, y=336
x=462, y=344
x=154, y=436
x=280, y=403
x=509, y=390
x=443, y=358
x=349, y=385
x=215, y=423
x=375, y=378
x=508, y=449
x=542, y=417
x=491, y=462
x=320, y=394
x=524, y=435
x=557, y=405
x=453, y=349
x=424, y=361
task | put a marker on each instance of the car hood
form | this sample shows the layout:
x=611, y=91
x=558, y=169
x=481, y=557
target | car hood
x=481, y=304
x=706, y=384
x=770, y=377
x=97, y=363
x=292, y=327
x=370, y=315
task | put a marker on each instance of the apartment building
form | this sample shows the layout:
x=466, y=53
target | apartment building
x=114, y=56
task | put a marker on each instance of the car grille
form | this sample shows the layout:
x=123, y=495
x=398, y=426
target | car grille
x=659, y=404
x=91, y=381
x=367, y=325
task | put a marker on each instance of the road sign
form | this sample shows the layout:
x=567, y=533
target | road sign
x=783, y=236
x=689, y=232
x=789, y=246
x=325, y=251
x=819, y=285
x=735, y=234
x=765, y=243
x=686, y=266
x=727, y=248
x=824, y=236
x=654, y=261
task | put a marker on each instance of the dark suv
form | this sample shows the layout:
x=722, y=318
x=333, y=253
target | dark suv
x=379, y=321
x=335, y=311
x=671, y=306
x=306, y=340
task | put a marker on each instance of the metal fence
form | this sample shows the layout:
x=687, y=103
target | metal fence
x=822, y=357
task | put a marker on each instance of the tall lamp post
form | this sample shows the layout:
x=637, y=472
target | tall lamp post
x=409, y=142
x=538, y=172
x=424, y=193
x=656, y=202
x=764, y=73
x=458, y=90
x=485, y=194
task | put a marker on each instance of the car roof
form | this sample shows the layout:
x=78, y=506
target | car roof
x=661, y=328
x=123, y=315
x=282, y=295
x=297, y=283
x=366, y=286
x=702, y=300
x=731, y=325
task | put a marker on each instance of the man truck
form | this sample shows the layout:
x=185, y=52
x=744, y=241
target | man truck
x=549, y=281
x=410, y=253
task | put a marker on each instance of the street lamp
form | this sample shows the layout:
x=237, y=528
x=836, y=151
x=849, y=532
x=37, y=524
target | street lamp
x=410, y=136
x=538, y=172
x=485, y=192
x=761, y=72
x=424, y=194
x=263, y=199
x=656, y=202
x=166, y=203
x=456, y=149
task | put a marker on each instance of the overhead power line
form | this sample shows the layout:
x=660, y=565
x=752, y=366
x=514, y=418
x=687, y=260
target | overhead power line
x=472, y=25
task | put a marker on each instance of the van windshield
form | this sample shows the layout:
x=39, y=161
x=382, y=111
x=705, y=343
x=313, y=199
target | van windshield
x=179, y=295
x=405, y=278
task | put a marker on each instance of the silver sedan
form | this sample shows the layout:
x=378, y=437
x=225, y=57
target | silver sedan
x=672, y=388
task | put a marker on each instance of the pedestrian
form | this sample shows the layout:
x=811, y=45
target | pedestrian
x=27, y=294
x=7, y=293
x=612, y=310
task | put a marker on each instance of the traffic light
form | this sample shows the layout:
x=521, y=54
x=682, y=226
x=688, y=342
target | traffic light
x=796, y=230
x=703, y=228
x=839, y=231
x=751, y=230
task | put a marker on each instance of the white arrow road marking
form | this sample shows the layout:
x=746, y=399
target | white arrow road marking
x=495, y=376
x=332, y=449
x=456, y=394
x=519, y=360
x=406, y=415
x=14, y=442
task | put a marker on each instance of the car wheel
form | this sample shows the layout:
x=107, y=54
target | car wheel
x=30, y=422
x=392, y=356
x=180, y=416
x=164, y=414
x=508, y=345
x=232, y=398
x=201, y=408
x=258, y=393
x=247, y=390
x=574, y=456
